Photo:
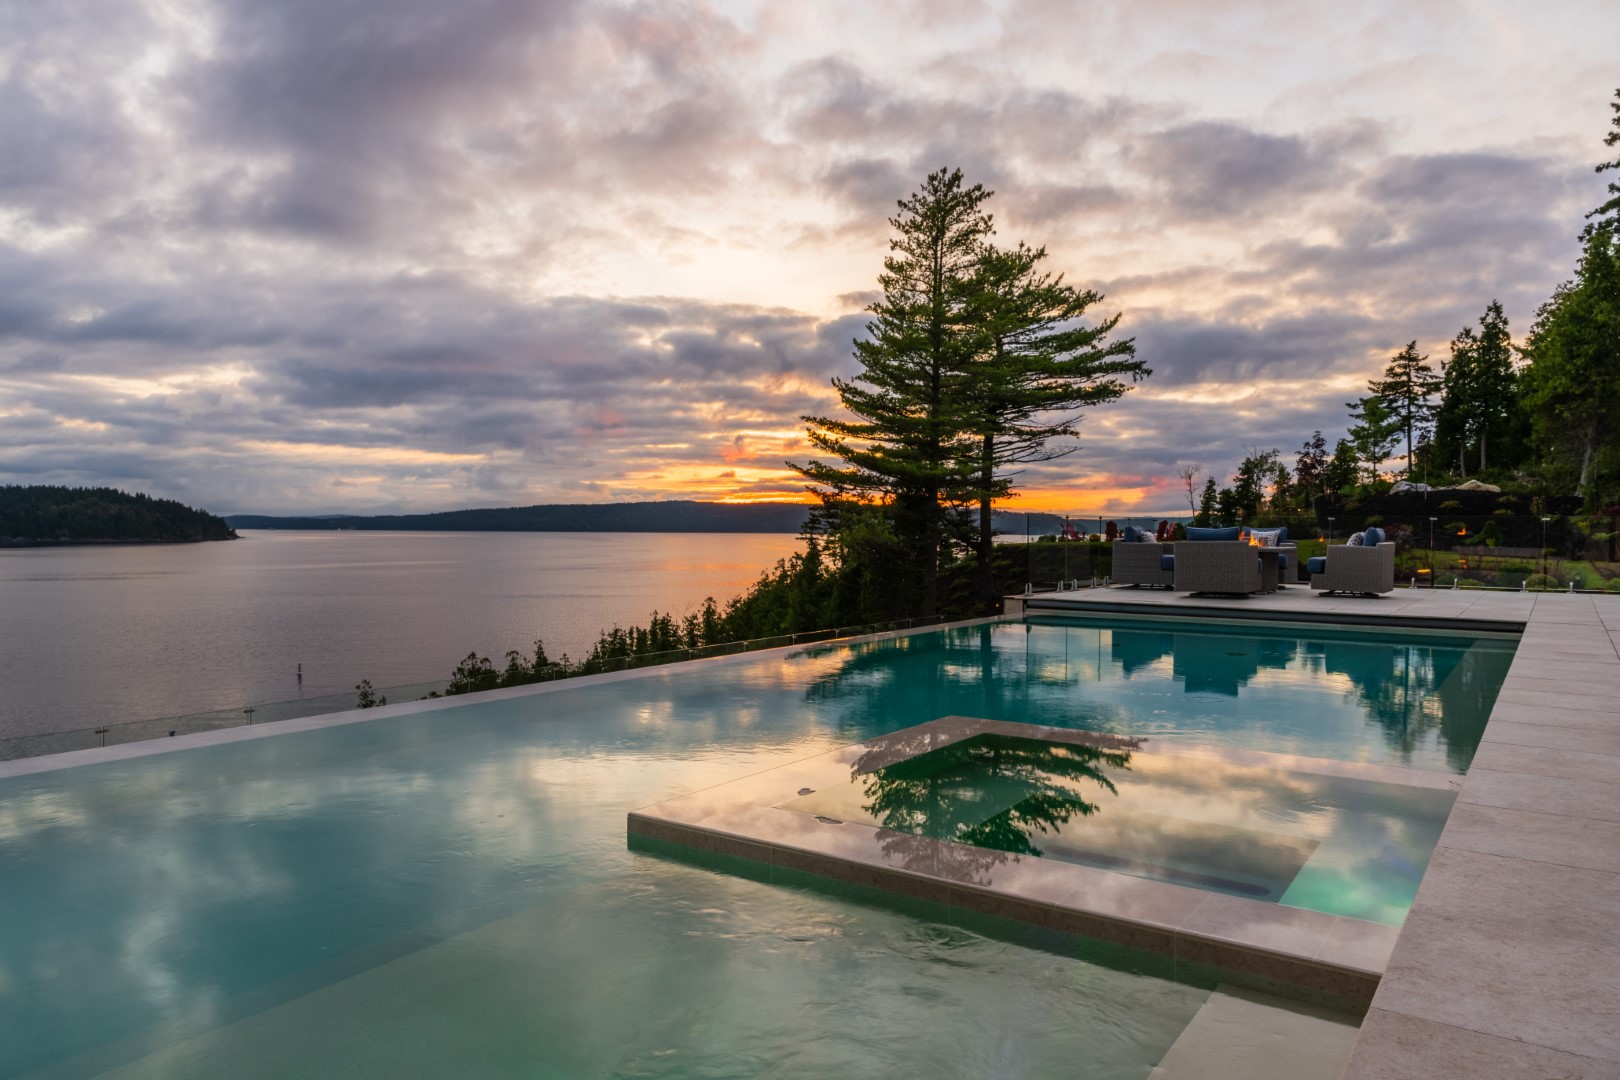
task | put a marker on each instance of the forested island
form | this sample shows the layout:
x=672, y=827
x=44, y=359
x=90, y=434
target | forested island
x=671, y=516
x=46, y=515
x=663, y=517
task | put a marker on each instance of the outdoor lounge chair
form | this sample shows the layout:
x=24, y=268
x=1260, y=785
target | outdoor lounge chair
x=1141, y=564
x=1216, y=566
x=1346, y=569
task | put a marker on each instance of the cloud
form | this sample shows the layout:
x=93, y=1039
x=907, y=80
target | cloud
x=412, y=255
x=1223, y=169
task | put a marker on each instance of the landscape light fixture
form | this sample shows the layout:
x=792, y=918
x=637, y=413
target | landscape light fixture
x=1544, y=521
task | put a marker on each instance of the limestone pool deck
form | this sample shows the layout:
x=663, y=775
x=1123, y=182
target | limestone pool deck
x=1509, y=962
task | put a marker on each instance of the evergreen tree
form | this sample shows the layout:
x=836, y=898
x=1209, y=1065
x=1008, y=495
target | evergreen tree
x=1376, y=432
x=1573, y=379
x=1607, y=216
x=1478, y=393
x=1342, y=468
x=909, y=446
x=1404, y=394
x=1208, y=504
x=1451, y=423
x=1038, y=365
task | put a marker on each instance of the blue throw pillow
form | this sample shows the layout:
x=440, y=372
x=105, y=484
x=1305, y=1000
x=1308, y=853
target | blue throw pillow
x=1131, y=535
x=1373, y=537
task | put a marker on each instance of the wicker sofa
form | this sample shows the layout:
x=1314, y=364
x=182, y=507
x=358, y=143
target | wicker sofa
x=1216, y=566
x=1368, y=570
x=1138, y=563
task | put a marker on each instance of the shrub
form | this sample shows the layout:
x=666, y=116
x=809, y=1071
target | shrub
x=1613, y=586
x=1541, y=582
x=1451, y=504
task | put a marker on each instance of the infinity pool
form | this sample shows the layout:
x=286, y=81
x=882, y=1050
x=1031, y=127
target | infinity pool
x=449, y=892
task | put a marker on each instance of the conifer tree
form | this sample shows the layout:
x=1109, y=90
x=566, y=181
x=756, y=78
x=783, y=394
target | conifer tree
x=1573, y=378
x=908, y=446
x=1341, y=469
x=1607, y=216
x=1375, y=433
x=1478, y=391
x=1038, y=366
x=1208, y=504
x=1405, y=394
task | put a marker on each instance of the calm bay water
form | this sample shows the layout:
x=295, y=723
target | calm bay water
x=96, y=635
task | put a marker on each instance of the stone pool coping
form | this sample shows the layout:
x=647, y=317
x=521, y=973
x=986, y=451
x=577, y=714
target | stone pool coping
x=1509, y=962
x=1332, y=956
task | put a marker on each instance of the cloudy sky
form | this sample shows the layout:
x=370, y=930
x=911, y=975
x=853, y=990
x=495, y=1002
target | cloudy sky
x=394, y=255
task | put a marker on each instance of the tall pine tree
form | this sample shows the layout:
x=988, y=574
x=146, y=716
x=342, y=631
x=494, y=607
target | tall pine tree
x=1376, y=432
x=1039, y=365
x=1405, y=394
x=908, y=446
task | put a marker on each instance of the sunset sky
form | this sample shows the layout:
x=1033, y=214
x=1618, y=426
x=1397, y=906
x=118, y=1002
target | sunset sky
x=315, y=256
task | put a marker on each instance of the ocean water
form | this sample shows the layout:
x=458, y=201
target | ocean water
x=107, y=635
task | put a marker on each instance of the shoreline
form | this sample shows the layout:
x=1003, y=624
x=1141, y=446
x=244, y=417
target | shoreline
x=28, y=542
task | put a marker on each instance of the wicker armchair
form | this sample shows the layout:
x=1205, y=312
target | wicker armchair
x=1140, y=564
x=1217, y=566
x=1346, y=569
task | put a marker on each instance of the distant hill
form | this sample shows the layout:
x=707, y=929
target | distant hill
x=41, y=515
x=674, y=516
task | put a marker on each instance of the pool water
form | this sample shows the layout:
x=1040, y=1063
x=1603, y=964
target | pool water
x=1335, y=844
x=449, y=893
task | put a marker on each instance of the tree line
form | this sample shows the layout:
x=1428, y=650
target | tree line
x=49, y=514
x=1541, y=415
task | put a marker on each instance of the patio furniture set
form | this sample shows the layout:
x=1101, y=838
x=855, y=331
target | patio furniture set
x=1246, y=562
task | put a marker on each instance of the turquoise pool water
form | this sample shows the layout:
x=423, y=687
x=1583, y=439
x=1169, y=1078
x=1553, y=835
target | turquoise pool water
x=450, y=893
x=1335, y=844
